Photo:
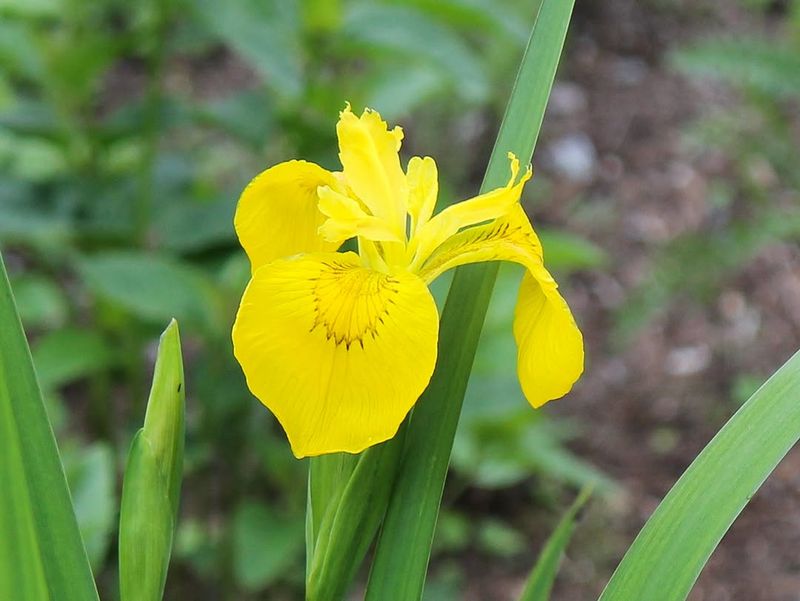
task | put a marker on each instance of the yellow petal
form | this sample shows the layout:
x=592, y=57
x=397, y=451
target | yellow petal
x=339, y=353
x=509, y=238
x=277, y=215
x=549, y=343
x=423, y=189
x=369, y=154
x=485, y=207
x=347, y=219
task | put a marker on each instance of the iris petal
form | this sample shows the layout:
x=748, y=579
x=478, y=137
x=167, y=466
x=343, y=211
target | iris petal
x=488, y=206
x=423, y=189
x=339, y=353
x=369, y=154
x=278, y=216
x=550, y=345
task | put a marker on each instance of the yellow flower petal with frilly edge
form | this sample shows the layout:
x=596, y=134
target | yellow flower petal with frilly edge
x=549, y=343
x=369, y=151
x=277, y=215
x=339, y=353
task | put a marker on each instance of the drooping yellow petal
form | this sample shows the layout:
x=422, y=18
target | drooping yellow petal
x=549, y=343
x=368, y=151
x=492, y=205
x=423, y=190
x=277, y=215
x=339, y=353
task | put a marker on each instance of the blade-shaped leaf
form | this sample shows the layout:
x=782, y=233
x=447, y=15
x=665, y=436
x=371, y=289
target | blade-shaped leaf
x=41, y=553
x=668, y=554
x=544, y=573
x=403, y=550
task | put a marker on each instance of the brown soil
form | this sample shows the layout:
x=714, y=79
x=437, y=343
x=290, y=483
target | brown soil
x=652, y=406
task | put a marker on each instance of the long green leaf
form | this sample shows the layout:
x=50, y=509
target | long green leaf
x=666, y=558
x=403, y=550
x=541, y=579
x=41, y=554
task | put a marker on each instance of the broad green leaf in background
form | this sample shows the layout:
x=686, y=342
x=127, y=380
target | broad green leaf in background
x=266, y=34
x=41, y=554
x=767, y=66
x=265, y=545
x=567, y=252
x=540, y=582
x=403, y=549
x=41, y=303
x=402, y=29
x=153, y=288
x=668, y=554
x=68, y=354
x=92, y=478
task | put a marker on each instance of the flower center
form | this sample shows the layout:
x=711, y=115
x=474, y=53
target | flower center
x=351, y=303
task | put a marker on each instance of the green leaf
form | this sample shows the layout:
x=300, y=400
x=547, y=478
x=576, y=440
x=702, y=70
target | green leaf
x=400, y=30
x=668, y=554
x=41, y=302
x=771, y=68
x=151, y=487
x=69, y=354
x=565, y=252
x=351, y=520
x=41, y=553
x=146, y=525
x=266, y=34
x=153, y=288
x=403, y=550
x=265, y=545
x=540, y=581
x=92, y=482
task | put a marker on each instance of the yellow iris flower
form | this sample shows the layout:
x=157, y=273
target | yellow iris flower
x=339, y=346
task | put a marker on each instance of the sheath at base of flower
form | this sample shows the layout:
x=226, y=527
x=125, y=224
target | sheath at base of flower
x=340, y=345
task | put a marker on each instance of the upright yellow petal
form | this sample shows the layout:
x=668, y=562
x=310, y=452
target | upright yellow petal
x=423, y=190
x=549, y=343
x=277, y=215
x=488, y=206
x=369, y=154
x=337, y=352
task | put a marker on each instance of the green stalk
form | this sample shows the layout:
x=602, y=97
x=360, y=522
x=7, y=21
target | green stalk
x=403, y=550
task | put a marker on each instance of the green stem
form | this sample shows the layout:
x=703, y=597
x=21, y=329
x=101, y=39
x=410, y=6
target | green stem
x=403, y=550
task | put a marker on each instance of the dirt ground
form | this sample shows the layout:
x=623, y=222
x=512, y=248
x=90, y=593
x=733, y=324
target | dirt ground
x=654, y=404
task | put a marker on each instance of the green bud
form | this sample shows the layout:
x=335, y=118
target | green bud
x=151, y=488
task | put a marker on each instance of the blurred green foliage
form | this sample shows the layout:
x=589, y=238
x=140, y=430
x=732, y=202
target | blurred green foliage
x=127, y=131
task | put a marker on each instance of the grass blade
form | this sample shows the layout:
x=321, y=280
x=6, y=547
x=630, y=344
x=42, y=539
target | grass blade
x=403, y=550
x=41, y=553
x=540, y=581
x=668, y=554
